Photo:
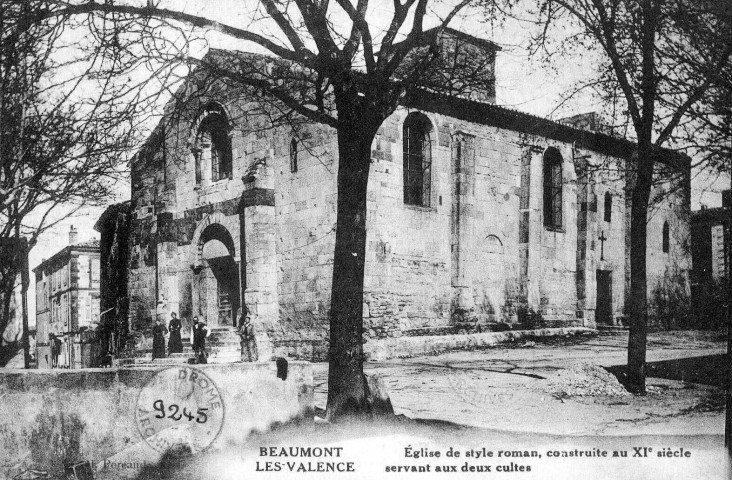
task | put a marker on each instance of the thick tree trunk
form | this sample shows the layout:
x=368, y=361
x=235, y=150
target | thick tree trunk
x=347, y=387
x=728, y=258
x=636, y=381
x=9, y=270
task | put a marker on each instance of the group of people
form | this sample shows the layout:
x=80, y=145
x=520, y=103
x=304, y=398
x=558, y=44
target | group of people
x=199, y=333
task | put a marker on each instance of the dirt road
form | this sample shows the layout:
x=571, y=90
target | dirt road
x=556, y=388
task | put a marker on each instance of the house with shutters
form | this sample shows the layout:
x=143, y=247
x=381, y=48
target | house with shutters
x=67, y=305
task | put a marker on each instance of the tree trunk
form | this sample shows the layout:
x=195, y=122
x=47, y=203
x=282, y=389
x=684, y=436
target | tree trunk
x=24, y=282
x=727, y=245
x=347, y=387
x=9, y=270
x=636, y=381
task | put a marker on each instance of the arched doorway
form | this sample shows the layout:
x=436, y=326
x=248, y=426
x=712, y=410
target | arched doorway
x=216, y=277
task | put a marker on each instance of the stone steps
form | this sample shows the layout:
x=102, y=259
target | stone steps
x=223, y=346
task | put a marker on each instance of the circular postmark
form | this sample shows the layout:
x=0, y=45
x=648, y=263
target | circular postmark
x=179, y=411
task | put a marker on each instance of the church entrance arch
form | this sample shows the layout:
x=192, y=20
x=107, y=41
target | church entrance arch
x=216, y=296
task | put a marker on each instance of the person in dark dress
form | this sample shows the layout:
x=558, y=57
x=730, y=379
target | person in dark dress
x=55, y=350
x=199, y=332
x=175, y=344
x=248, y=342
x=159, y=332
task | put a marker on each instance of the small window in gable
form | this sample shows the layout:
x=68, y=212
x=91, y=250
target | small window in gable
x=417, y=157
x=665, y=239
x=293, y=155
x=608, y=207
x=552, y=188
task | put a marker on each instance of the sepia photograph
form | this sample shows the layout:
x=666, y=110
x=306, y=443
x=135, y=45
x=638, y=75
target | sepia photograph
x=365, y=239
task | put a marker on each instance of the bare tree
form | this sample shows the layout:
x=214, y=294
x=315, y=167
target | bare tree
x=657, y=61
x=353, y=74
x=64, y=130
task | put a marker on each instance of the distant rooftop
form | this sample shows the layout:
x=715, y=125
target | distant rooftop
x=74, y=245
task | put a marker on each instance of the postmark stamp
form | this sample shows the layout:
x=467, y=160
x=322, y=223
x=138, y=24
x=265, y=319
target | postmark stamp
x=465, y=388
x=179, y=411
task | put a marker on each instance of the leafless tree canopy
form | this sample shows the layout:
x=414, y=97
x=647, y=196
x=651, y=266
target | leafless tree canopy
x=658, y=63
x=346, y=64
x=65, y=123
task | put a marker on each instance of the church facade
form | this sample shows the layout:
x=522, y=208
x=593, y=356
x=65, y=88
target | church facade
x=479, y=217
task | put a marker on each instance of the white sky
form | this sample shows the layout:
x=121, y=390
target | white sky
x=522, y=83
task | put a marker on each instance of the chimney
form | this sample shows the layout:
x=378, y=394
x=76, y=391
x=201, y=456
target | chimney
x=73, y=235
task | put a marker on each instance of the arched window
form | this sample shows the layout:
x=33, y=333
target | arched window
x=665, y=239
x=417, y=159
x=213, y=145
x=608, y=208
x=293, y=155
x=552, y=188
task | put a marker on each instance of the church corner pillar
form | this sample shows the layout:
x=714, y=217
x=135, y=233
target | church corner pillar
x=167, y=267
x=257, y=223
x=535, y=226
x=586, y=230
x=462, y=221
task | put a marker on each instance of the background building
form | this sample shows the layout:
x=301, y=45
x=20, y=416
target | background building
x=711, y=244
x=67, y=304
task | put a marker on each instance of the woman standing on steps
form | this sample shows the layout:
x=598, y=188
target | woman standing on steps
x=175, y=344
x=158, y=332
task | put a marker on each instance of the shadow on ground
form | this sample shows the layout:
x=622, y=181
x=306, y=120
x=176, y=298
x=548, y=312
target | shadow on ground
x=706, y=370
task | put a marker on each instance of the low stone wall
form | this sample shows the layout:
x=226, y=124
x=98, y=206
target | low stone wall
x=429, y=344
x=53, y=418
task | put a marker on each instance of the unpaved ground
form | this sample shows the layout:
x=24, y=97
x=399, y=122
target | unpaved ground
x=533, y=405
x=523, y=387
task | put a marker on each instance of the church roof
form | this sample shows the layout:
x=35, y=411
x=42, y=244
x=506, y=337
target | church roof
x=506, y=118
x=711, y=215
x=486, y=113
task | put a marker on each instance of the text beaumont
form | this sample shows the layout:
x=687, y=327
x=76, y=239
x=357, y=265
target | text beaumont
x=305, y=452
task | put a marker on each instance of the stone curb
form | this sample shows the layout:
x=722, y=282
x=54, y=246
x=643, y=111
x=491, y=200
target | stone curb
x=377, y=350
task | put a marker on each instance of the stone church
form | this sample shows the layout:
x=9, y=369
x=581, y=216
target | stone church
x=479, y=218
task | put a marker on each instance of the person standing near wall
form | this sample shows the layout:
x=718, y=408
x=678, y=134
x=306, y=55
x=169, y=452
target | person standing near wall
x=199, y=332
x=248, y=341
x=175, y=344
x=55, y=350
x=159, y=331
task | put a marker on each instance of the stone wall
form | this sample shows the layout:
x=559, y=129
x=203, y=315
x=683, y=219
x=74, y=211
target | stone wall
x=411, y=250
x=53, y=418
x=669, y=272
x=305, y=216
